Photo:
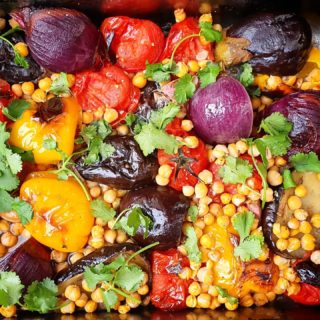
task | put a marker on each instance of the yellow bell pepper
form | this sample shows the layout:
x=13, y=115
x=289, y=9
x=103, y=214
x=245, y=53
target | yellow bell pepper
x=62, y=216
x=28, y=133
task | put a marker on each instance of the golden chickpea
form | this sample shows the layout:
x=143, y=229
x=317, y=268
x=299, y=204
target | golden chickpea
x=58, y=256
x=193, y=66
x=95, y=192
x=90, y=306
x=110, y=115
x=17, y=89
x=72, y=292
x=16, y=229
x=308, y=242
x=300, y=191
x=8, y=239
x=143, y=290
x=246, y=301
x=123, y=309
x=87, y=117
x=315, y=257
x=45, y=84
x=110, y=196
x=191, y=301
x=182, y=69
x=8, y=312
x=86, y=287
x=110, y=235
x=300, y=214
x=294, y=203
x=305, y=227
x=76, y=257
x=121, y=236
x=71, y=80
x=274, y=178
x=27, y=88
x=96, y=295
x=69, y=307
x=4, y=226
x=282, y=244
x=139, y=80
x=260, y=299
x=122, y=130
x=194, y=288
x=315, y=220
x=22, y=48
x=81, y=302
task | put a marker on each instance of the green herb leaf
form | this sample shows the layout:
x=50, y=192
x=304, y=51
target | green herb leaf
x=162, y=117
x=209, y=74
x=41, y=296
x=184, y=88
x=130, y=119
x=224, y=294
x=60, y=85
x=243, y=222
x=250, y=248
x=101, y=210
x=151, y=138
x=246, y=76
x=10, y=288
x=288, y=181
x=209, y=33
x=278, y=145
x=110, y=299
x=23, y=209
x=19, y=60
x=235, y=170
x=8, y=180
x=191, y=245
x=160, y=72
x=15, y=109
x=49, y=144
x=193, y=213
x=129, y=277
x=106, y=150
x=276, y=124
x=99, y=273
x=304, y=162
x=24, y=155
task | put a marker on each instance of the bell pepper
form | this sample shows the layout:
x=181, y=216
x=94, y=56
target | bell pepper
x=29, y=132
x=62, y=217
x=308, y=294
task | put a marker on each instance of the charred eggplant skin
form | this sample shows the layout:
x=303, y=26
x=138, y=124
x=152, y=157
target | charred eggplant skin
x=127, y=168
x=280, y=43
x=103, y=255
x=308, y=272
x=167, y=209
x=10, y=71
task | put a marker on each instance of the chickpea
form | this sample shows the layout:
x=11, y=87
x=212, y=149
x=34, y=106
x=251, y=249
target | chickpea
x=4, y=226
x=139, y=80
x=8, y=239
x=68, y=308
x=16, y=228
x=72, y=292
x=315, y=257
x=301, y=191
x=294, y=203
x=9, y=311
x=274, y=178
x=81, y=302
x=58, y=256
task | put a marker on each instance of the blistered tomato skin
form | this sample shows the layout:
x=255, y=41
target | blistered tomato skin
x=62, y=217
x=134, y=42
x=5, y=96
x=28, y=133
x=169, y=292
x=308, y=294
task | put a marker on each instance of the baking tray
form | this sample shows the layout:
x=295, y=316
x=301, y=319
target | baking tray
x=225, y=12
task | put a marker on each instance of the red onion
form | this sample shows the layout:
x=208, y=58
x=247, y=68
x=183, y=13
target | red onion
x=303, y=110
x=60, y=39
x=222, y=112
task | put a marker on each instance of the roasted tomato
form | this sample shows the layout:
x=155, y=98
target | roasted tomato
x=174, y=128
x=5, y=97
x=186, y=165
x=108, y=88
x=62, y=217
x=308, y=294
x=169, y=292
x=190, y=49
x=133, y=41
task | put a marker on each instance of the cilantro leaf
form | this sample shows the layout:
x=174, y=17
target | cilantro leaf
x=101, y=210
x=60, y=85
x=276, y=124
x=191, y=245
x=110, y=299
x=151, y=138
x=15, y=109
x=23, y=209
x=130, y=119
x=106, y=150
x=246, y=76
x=19, y=60
x=162, y=117
x=243, y=222
x=288, y=181
x=41, y=296
x=24, y=155
x=184, y=88
x=193, y=213
x=96, y=274
x=129, y=277
x=278, y=145
x=8, y=181
x=250, y=248
x=224, y=294
x=235, y=170
x=160, y=72
x=14, y=161
x=49, y=144
x=304, y=162
x=209, y=33
x=103, y=128
x=209, y=74
x=10, y=288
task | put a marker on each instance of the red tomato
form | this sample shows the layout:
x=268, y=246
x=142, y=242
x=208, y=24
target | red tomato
x=308, y=294
x=169, y=292
x=190, y=49
x=5, y=97
x=109, y=87
x=134, y=41
x=175, y=129
x=186, y=165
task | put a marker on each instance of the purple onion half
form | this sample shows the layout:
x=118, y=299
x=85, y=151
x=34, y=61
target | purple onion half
x=61, y=40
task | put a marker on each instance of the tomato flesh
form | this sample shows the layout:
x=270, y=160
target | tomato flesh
x=308, y=294
x=6, y=96
x=108, y=88
x=191, y=49
x=169, y=292
x=134, y=41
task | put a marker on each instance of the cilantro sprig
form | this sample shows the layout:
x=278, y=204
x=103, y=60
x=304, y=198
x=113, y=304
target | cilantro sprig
x=191, y=245
x=120, y=277
x=209, y=74
x=250, y=246
x=224, y=294
x=19, y=60
x=184, y=88
x=303, y=162
x=40, y=296
x=60, y=85
x=15, y=109
x=100, y=210
x=193, y=212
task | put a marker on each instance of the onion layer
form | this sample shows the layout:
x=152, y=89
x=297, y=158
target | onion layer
x=60, y=39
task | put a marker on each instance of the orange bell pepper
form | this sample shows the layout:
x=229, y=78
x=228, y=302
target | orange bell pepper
x=28, y=132
x=62, y=217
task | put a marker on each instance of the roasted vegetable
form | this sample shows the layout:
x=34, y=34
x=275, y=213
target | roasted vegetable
x=309, y=272
x=279, y=212
x=52, y=120
x=60, y=39
x=303, y=110
x=126, y=168
x=74, y=273
x=62, y=216
x=30, y=260
x=9, y=70
x=308, y=294
x=279, y=43
x=166, y=208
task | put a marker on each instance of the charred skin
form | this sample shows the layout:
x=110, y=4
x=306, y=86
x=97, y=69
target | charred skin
x=309, y=272
x=127, y=168
x=167, y=209
x=279, y=43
